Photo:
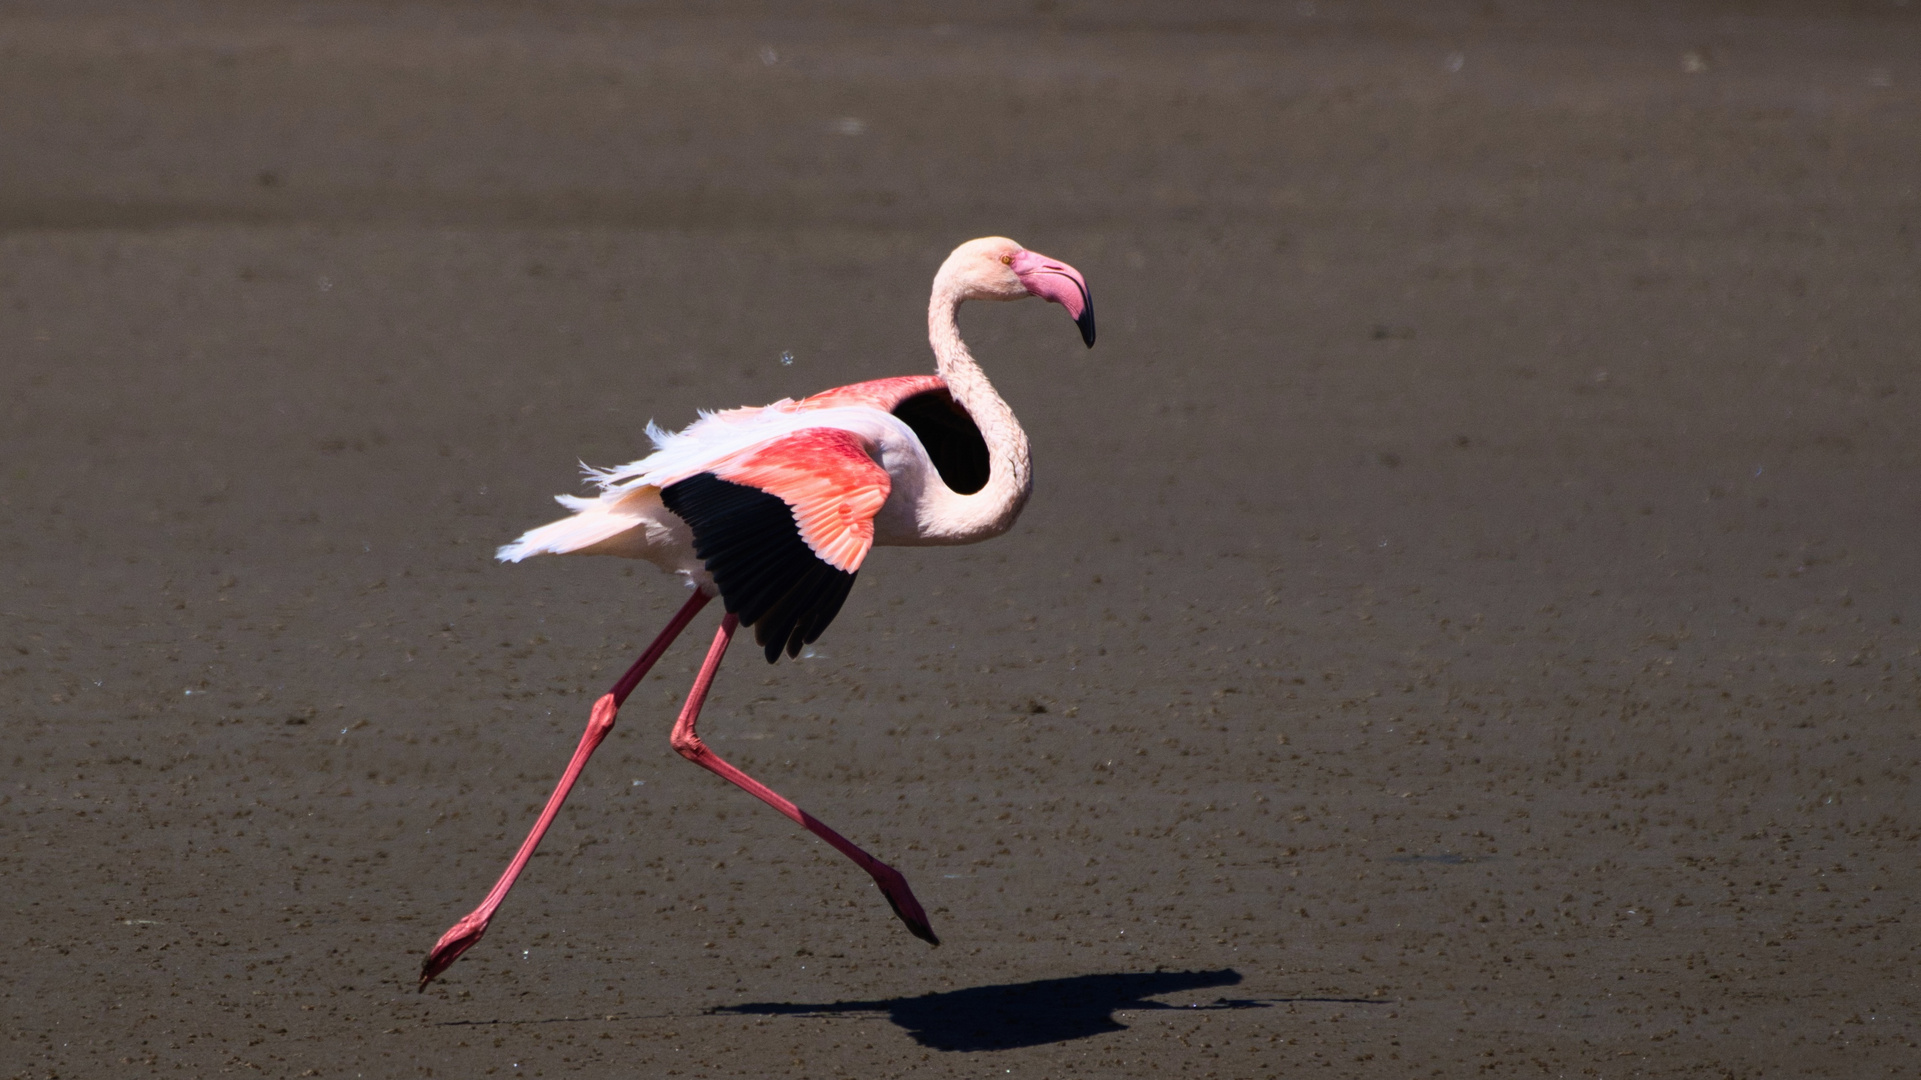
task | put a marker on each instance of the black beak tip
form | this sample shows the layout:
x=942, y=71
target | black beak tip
x=1086, y=323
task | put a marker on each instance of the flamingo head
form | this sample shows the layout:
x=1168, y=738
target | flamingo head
x=996, y=268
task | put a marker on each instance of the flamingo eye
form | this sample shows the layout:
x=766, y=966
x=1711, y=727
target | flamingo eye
x=1007, y=260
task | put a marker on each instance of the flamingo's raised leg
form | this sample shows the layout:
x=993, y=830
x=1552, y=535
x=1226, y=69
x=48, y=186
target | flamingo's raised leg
x=468, y=930
x=688, y=744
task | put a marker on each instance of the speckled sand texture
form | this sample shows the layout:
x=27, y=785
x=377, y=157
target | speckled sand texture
x=1466, y=624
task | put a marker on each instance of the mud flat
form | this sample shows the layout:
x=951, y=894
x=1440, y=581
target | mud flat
x=1466, y=623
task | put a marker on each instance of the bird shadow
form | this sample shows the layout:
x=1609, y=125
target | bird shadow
x=1010, y=1015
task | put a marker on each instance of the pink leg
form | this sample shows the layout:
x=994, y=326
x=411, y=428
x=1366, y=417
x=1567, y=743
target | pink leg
x=688, y=744
x=467, y=931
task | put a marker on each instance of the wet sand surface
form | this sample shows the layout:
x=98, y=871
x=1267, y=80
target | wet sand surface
x=1465, y=624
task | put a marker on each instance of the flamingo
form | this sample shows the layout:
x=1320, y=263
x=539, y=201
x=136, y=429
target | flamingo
x=774, y=509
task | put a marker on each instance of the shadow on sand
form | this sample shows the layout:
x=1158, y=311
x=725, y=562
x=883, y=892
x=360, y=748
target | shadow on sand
x=1021, y=1014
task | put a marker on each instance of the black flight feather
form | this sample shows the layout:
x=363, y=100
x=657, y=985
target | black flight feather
x=767, y=574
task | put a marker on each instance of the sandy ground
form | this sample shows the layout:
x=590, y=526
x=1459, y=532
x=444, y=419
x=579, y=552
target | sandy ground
x=1466, y=623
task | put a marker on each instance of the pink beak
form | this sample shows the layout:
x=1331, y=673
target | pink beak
x=1051, y=279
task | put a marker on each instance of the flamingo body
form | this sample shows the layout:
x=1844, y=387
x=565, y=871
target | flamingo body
x=849, y=467
x=775, y=509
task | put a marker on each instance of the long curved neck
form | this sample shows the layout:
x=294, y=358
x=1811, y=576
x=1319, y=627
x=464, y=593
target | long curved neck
x=991, y=510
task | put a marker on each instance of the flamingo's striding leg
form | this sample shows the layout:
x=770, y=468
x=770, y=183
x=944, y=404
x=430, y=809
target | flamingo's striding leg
x=688, y=744
x=468, y=930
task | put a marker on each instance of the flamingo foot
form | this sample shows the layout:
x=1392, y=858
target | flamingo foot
x=901, y=898
x=462, y=936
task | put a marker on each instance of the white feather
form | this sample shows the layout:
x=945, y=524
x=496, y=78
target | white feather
x=695, y=448
x=594, y=521
x=629, y=520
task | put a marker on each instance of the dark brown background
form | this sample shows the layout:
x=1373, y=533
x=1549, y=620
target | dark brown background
x=1466, y=623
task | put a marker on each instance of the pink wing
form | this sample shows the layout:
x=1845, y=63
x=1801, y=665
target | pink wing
x=882, y=394
x=833, y=486
x=783, y=527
